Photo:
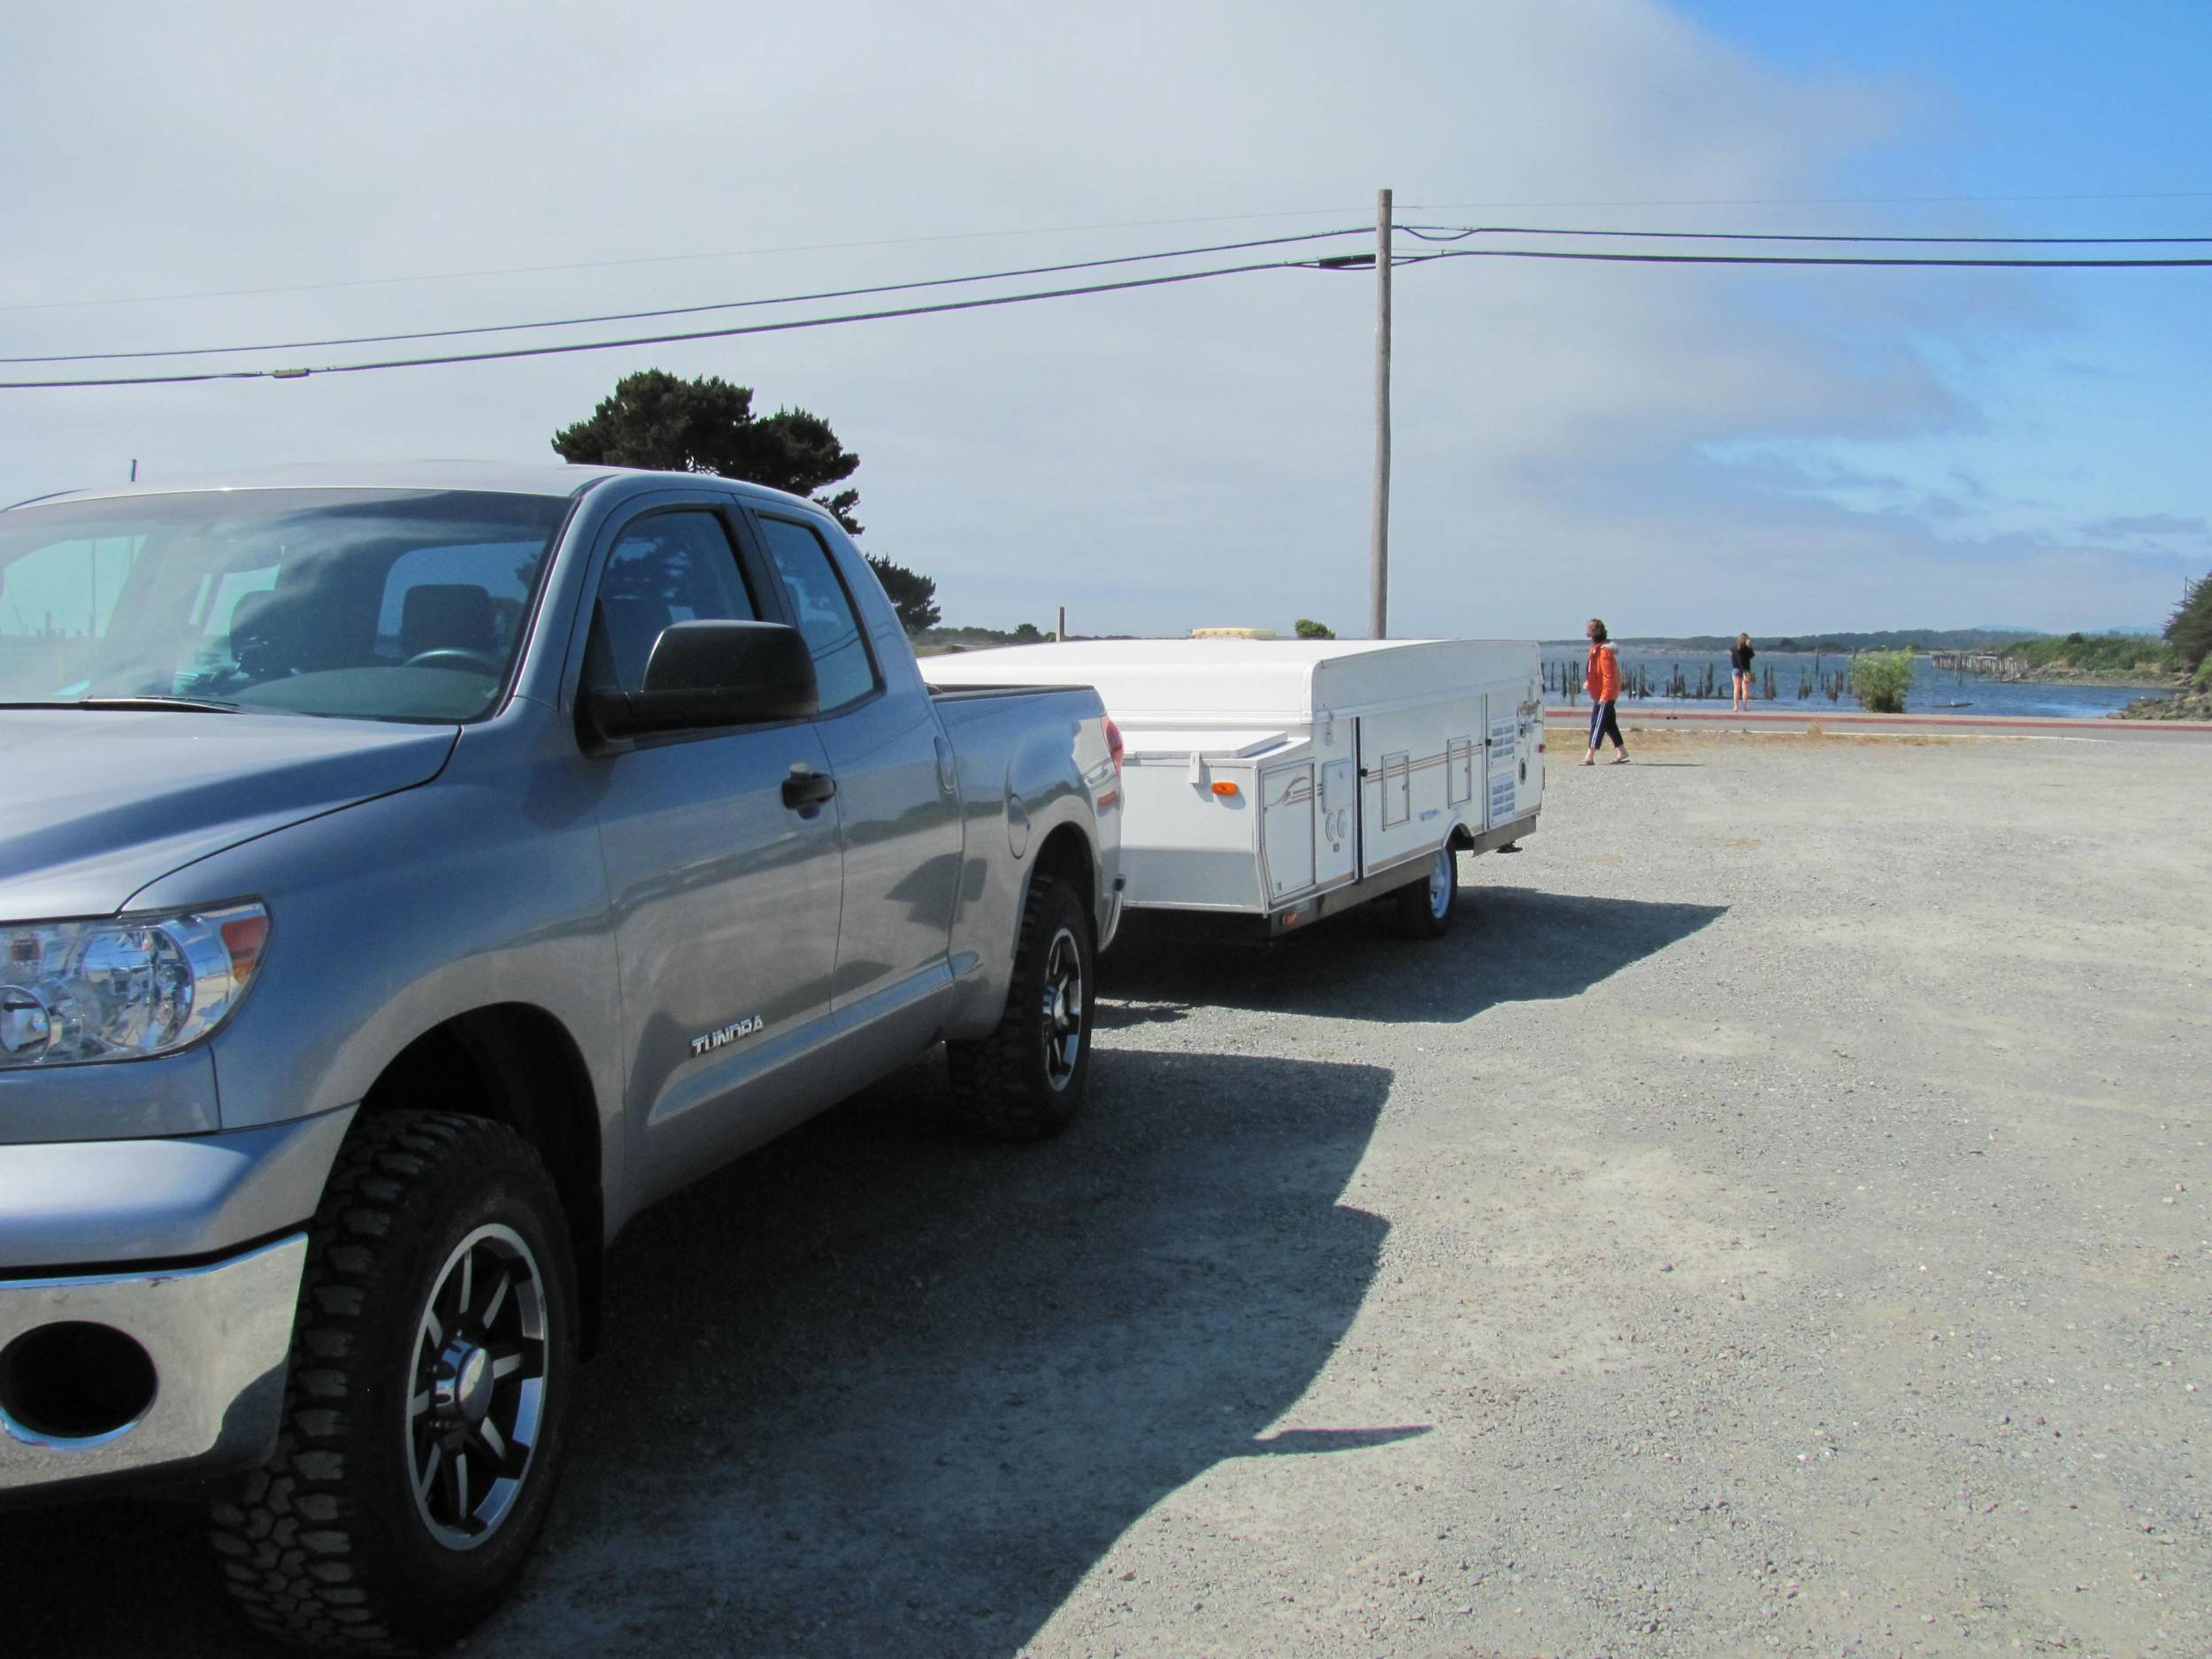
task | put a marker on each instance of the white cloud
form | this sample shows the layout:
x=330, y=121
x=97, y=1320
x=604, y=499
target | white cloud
x=1155, y=459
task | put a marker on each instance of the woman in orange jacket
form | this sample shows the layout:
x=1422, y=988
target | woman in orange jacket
x=1602, y=677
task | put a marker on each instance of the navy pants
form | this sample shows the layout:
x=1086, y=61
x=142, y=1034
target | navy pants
x=1603, y=724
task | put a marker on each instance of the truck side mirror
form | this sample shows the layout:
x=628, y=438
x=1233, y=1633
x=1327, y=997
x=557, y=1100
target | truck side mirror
x=706, y=674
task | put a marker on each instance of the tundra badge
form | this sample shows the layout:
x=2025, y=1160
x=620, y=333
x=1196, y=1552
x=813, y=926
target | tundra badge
x=728, y=1034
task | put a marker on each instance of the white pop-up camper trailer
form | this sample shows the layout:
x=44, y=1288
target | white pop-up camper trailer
x=1289, y=779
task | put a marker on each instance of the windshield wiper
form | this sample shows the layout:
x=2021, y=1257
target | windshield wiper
x=202, y=705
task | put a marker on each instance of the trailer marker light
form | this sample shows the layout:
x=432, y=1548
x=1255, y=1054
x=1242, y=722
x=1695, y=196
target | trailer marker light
x=1224, y=789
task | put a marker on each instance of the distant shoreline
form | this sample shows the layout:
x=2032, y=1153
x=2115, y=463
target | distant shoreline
x=2118, y=679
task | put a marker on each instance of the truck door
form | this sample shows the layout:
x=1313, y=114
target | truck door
x=898, y=810
x=726, y=895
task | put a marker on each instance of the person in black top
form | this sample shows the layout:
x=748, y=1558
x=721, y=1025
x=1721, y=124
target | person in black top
x=1739, y=655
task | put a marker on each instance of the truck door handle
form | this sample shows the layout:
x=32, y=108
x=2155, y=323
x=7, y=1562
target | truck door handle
x=805, y=788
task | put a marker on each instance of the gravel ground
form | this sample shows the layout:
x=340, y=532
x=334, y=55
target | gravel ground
x=1774, y=1222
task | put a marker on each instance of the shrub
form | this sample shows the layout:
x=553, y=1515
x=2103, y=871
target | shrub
x=1879, y=679
x=2124, y=653
x=2190, y=629
x=1308, y=629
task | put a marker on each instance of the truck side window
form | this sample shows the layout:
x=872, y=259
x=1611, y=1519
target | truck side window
x=842, y=665
x=670, y=567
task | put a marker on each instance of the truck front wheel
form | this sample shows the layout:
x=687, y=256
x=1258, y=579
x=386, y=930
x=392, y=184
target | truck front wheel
x=1025, y=1081
x=425, y=1412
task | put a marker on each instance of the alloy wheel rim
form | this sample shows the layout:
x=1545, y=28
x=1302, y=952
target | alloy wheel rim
x=476, y=1386
x=1063, y=1009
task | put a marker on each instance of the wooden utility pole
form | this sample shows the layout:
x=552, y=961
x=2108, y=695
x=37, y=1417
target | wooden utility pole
x=1379, y=533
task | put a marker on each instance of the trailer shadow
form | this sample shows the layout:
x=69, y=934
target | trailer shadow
x=1507, y=945
x=878, y=1390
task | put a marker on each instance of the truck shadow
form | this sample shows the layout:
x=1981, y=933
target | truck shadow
x=879, y=1390
x=875, y=1390
x=1507, y=945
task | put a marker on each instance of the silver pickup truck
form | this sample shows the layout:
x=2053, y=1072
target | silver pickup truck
x=407, y=876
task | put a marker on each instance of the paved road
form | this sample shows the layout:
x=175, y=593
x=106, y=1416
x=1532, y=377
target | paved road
x=1775, y=1221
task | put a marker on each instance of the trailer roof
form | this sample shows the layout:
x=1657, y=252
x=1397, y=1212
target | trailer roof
x=1233, y=682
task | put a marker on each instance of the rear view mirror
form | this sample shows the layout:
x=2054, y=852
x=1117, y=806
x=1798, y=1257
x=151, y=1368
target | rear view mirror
x=703, y=674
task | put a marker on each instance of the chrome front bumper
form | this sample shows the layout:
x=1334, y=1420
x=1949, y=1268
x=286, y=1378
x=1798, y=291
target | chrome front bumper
x=218, y=1337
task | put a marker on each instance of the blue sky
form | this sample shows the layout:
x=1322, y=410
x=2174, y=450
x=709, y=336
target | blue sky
x=2065, y=120
x=1685, y=450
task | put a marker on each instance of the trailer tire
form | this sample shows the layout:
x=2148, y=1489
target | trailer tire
x=1027, y=1079
x=384, y=1521
x=1425, y=908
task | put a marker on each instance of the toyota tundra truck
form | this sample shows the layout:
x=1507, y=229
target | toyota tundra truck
x=407, y=875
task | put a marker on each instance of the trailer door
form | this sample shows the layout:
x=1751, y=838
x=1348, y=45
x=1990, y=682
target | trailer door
x=1286, y=830
x=1530, y=797
x=1406, y=805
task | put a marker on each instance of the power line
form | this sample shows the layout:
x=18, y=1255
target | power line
x=1951, y=261
x=1823, y=201
x=1460, y=233
x=567, y=348
x=1433, y=233
x=685, y=311
x=1071, y=230
x=664, y=258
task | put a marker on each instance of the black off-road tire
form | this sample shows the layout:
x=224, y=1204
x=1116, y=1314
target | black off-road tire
x=324, y=1544
x=1009, y=1086
x=1425, y=908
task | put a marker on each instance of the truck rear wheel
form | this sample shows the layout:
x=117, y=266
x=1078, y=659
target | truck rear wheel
x=1027, y=1079
x=425, y=1411
x=1425, y=908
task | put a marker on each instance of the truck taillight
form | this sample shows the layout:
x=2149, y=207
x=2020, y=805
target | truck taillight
x=1114, y=746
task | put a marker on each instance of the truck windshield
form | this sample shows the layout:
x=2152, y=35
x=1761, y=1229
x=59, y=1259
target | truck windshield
x=370, y=604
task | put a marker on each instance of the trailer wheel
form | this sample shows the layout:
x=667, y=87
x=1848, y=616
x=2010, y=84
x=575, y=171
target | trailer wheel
x=426, y=1410
x=1425, y=906
x=1027, y=1079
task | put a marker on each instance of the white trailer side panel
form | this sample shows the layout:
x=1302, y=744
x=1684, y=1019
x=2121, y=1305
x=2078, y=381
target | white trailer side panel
x=1340, y=761
x=1505, y=757
x=1407, y=808
x=1185, y=848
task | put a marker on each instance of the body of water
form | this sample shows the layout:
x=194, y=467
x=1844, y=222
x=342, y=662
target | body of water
x=1933, y=691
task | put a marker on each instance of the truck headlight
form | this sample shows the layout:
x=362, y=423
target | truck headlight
x=123, y=988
